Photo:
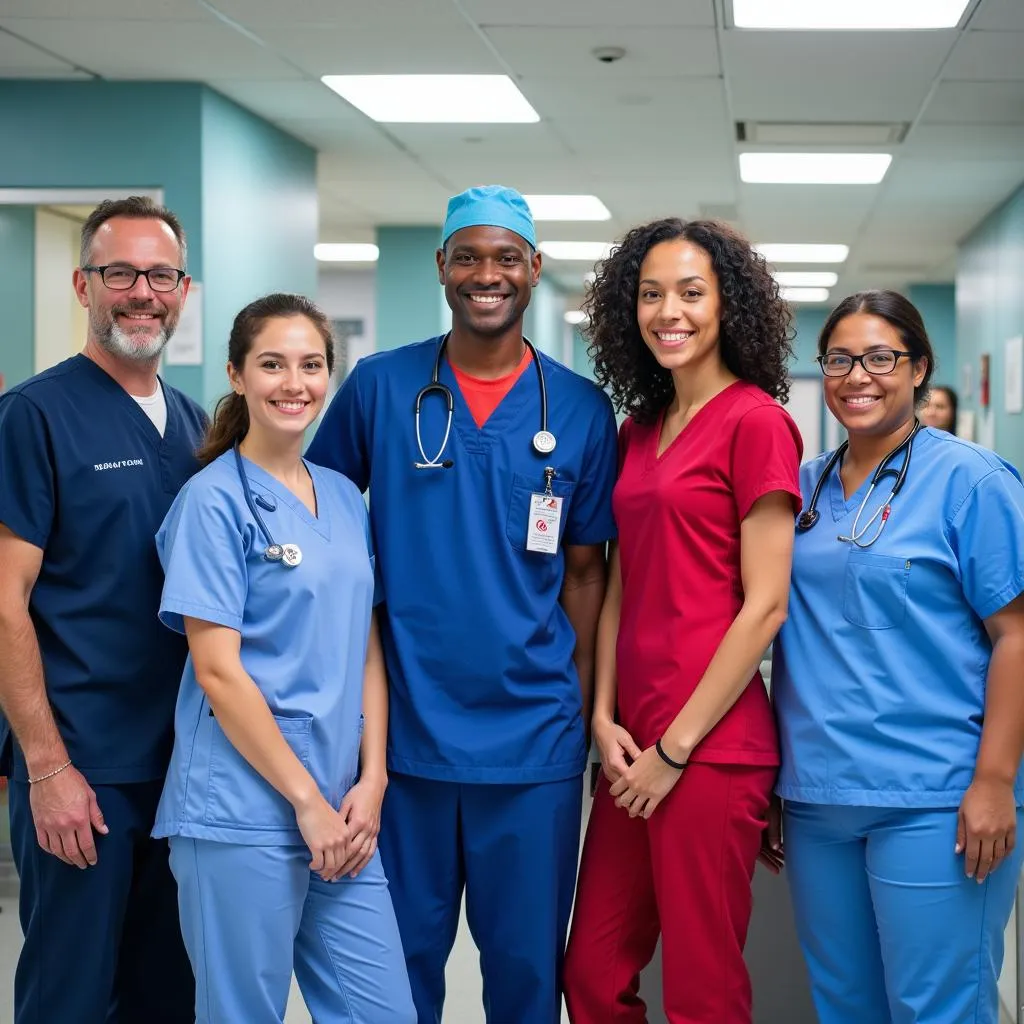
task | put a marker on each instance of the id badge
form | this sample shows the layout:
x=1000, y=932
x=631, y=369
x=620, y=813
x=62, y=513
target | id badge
x=545, y=519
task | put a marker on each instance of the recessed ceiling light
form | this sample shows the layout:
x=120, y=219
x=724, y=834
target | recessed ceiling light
x=346, y=252
x=814, y=168
x=575, y=316
x=804, y=294
x=434, y=99
x=589, y=252
x=806, y=278
x=567, y=208
x=798, y=253
x=862, y=15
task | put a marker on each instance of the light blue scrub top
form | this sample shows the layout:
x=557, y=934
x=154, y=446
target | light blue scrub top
x=304, y=633
x=880, y=670
x=479, y=649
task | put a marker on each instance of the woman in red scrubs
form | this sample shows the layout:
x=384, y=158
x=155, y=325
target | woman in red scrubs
x=690, y=334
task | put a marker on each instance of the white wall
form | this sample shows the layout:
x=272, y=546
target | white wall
x=61, y=323
x=350, y=295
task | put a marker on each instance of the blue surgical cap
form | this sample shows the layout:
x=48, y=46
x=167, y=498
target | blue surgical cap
x=490, y=205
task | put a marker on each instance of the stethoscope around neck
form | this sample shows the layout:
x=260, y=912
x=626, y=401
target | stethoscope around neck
x=543, y=441
x=809, y=518
x=289, y=555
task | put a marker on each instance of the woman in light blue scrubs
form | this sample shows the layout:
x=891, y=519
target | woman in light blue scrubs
x=899, y=691
x=272, y=801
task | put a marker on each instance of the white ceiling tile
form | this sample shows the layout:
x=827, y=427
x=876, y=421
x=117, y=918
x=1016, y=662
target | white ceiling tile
x=301, y=99
x=567, y=52
x=987, y=56
x=189, y=50
x=529, y=141
x=609, y=13
x=999, y=15
x=977, y=103
x=90, y=10
x=388, y=17
x=829, y=76
x=351, y=49
x=17, y=57
x=671, y=102
x=783, y=213
x=974, y=142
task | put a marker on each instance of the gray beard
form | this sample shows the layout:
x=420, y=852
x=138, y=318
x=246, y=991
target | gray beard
x=120, y=345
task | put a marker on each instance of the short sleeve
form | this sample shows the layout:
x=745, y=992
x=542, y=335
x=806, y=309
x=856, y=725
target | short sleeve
x=766, y=453
x=987, y=538
x=203, y=554
x=341, y=442
x=590, y=514
x=378, y=580
x=27, y=491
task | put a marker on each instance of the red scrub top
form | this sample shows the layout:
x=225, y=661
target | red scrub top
x=679, y=521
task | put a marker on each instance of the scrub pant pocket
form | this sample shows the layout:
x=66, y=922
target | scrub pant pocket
x=892, y=930
x=253, y=914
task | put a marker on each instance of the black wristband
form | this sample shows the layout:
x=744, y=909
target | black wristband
x=668, y=760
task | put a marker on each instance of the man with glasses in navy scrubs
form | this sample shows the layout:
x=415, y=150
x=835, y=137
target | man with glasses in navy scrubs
x=92, y=453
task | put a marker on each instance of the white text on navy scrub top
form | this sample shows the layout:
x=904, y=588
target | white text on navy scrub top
x=123, y=464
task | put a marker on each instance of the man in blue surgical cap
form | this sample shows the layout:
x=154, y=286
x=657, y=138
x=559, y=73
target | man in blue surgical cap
x=490, y=469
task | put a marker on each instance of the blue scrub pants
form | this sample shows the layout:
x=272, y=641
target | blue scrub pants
x=514, y=849
x=253, y=914
x=103, y=945
x=891, y=928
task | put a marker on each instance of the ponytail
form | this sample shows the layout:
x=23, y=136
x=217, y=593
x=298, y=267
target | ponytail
x=230, y=424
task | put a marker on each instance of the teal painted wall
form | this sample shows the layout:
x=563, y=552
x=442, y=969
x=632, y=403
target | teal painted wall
x=544, y=323
x=17, y=277
x=937, y=305
x=244, y=191
x=259, y=222
x=410, y=301
x=990, y=310
x=807, y=322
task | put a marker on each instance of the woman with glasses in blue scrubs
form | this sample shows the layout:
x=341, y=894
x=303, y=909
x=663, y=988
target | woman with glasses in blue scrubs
x=899, y=693
x=272, y=800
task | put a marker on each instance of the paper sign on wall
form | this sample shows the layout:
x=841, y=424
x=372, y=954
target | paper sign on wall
x=1013, y=379
x=186, y=345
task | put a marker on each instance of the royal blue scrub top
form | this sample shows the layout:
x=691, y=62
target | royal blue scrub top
x=86, y=476
x=479, y=651
x=303, y=642
x=880, y=670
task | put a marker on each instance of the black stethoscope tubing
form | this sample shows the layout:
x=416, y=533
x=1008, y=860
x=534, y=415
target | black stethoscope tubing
x=543, y=441
x=809, y=518
x=287, y=554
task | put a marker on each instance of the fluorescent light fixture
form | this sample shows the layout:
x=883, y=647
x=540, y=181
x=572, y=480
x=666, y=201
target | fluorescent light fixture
x=575, y=316
x=787, y=253
x=804, y=294
x=588, y=252
x=434, y=99
x=859, y=15
x=806, y=278
x=814, y=168
x=346, y=252
x=567, y=208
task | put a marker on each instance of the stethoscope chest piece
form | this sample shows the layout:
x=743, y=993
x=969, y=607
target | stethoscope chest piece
x=544, y=442
x=291, y=555
x=808, y=519
x=274, y=553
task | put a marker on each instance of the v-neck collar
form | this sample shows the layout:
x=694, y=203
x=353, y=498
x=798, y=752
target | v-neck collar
x=653, y=458
x=320, y=522
x=146, y=425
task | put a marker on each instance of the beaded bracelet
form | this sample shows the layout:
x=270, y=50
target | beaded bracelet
x=50, y=775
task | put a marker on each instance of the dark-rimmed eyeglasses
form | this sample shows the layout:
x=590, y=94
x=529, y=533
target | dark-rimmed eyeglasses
x=877, y=362
x=119, y=277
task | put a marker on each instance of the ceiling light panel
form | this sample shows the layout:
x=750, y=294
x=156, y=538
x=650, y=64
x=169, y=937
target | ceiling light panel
x=814, y=168
x=806, y=278
x=848, y=15
x=588, y=252
x=568, y=207
x=346, y=252
x=787, y=252
x=804, y=294
x=435, y=99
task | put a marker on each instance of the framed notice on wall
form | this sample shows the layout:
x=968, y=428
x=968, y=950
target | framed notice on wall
x=1013, y=379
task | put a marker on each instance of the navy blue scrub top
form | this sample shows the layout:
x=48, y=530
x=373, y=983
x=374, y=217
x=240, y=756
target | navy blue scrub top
x=479, y=650
x=86, y=476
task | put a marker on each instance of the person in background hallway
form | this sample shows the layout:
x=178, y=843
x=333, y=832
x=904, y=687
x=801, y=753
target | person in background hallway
x=92, y=453
x=491, y=545
x=690, y=333
x=939, y=409
x=272, y=765
x=898, y=689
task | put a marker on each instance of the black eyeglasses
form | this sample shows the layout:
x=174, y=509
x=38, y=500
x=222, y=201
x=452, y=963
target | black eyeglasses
x=119, y=277
x=877, y=362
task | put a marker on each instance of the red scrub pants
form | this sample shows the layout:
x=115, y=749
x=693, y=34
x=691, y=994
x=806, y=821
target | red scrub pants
x=685, y=874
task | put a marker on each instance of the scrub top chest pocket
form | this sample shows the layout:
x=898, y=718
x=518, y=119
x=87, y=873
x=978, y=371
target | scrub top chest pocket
x=520, y=517
x=875, y=590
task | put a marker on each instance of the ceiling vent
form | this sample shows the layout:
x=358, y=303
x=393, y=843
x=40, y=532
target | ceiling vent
x=811, y=133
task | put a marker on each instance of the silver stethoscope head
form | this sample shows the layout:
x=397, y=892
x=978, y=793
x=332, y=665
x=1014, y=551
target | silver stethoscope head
x=289, y=555
x=809, y=518
x=544, y=441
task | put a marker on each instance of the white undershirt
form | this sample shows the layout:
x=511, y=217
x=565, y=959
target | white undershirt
x=155, y=407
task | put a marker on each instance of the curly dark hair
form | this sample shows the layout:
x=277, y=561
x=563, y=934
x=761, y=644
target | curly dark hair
x=755, y=333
